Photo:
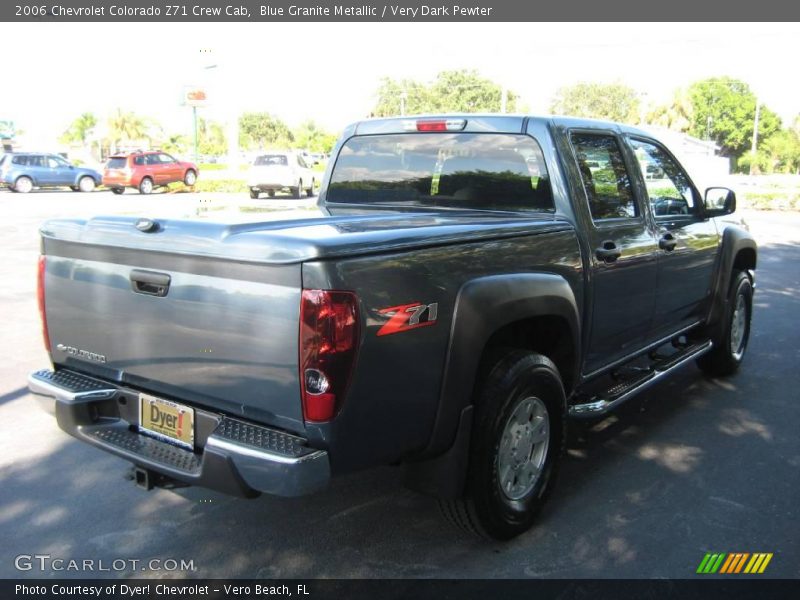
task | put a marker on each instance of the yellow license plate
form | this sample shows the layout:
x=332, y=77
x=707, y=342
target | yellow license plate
x=170, y=421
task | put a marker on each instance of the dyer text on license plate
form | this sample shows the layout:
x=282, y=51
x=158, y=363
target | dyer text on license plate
x=169, y=421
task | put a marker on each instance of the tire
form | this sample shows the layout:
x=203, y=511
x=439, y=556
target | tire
x=75, y=188
x=728, y=352
x=190, y=178
x=146, y=186
x=518, y=438
x=23, y=184
x=86, y=184
x=118, y=191
x=271, y=193
x=310, y=191
x=297, y=192
x=254, y=194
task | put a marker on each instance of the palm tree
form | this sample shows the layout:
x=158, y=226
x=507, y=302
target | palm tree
x=79, y=130
x=125, y=127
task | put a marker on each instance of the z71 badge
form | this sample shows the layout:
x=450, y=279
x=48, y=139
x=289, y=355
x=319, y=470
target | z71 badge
x=408, y=316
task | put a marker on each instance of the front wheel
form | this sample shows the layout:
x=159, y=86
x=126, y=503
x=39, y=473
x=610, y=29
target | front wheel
x=310, y=191
x=146, y=186
x=728, y=352
x=86, y=184
x=517, y=441
x=190, y=178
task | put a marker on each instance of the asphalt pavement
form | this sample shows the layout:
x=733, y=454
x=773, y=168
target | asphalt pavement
x=693, y=465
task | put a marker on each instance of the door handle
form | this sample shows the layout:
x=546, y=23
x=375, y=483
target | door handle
x=667, y=242
x=608, y=251
x=150, y=283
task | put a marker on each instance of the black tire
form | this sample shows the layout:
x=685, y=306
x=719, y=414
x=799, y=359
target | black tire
x=254, y=194
x=117, y=190
x=75, y=188
x=271, y=193
x=23, y=184
x=487, y=509
x=724, y=359
x=310, y=191
x=146, y=186
x=190, y=178
x=297, y=192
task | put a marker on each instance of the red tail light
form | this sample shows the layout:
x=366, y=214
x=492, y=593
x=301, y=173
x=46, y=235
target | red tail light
x=40, y=298
x=328, y=342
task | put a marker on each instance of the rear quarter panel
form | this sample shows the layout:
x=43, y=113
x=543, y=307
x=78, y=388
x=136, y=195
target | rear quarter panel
x=391, y=406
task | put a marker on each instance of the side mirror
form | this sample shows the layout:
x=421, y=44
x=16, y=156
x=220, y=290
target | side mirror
x=719, y=201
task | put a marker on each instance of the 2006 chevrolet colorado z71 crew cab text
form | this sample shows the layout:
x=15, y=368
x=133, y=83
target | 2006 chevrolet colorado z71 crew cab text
x=473, y=282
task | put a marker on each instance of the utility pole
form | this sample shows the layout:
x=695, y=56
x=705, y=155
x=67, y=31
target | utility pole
x=755, y=139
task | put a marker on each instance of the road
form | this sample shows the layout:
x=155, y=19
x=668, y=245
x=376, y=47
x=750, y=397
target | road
x=691, y=466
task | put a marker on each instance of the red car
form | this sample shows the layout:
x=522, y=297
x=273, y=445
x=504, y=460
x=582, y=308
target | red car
x=145, y=171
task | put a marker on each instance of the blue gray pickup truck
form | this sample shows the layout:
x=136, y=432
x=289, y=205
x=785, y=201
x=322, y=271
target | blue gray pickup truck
x=473, y=282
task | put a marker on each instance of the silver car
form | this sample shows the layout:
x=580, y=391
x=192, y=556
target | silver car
x=281, y=170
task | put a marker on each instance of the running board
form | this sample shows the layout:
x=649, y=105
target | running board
x=613, y=397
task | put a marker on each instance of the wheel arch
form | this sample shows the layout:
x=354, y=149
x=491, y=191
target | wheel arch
x=738, y=251
x=532, y=311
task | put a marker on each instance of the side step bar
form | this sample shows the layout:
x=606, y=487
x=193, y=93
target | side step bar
x=613, y=397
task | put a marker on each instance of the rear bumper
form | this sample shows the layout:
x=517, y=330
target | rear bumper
x=231, y=456
x=118, y=181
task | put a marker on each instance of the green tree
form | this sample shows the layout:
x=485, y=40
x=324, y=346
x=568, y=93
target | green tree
x=211, y=140
x=127, y=127
x=261, y=130
x=452, y=91
x=612, y=101
x=782, y=151
x=310, y=136
x=677, y=115
x=79, y=129
x=725, y=108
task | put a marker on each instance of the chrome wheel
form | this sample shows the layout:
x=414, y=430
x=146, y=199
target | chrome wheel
x=146, y=186
x=523, y=448
x=191, y=178
x=738, y=327
x=23, y=185
x=86, y=184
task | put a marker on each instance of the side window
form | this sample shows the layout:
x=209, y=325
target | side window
x=151, y=159
x=604, y=176
x=668, y=187
x=53, y=163
x=166, y=159
x=301, y=162
x=138, y=160
x=20, y=160
x=36, y=161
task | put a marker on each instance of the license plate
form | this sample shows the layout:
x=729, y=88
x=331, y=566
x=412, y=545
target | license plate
x=169, y=421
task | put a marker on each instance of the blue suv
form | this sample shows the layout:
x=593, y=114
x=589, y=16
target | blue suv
x=23, y=171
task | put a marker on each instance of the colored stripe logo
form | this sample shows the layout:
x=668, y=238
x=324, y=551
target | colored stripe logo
x=730, y=563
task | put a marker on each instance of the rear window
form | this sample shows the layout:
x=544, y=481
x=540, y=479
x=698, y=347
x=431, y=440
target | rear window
x=117, y=162
x=271, y=159
x=452, y=170
x=20, y=159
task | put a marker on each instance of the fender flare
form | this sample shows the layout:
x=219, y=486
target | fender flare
x=734, y=240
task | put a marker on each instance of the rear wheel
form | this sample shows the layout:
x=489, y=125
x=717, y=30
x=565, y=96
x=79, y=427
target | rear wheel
x=254, y=194
x=517, y=441
x=728, y=352
x=271, y=193
x=310, y=191
x=86, y=184
x=146, y=186
x=297, y=192
x=190, y=178
x=23, y=184
x=117, y=190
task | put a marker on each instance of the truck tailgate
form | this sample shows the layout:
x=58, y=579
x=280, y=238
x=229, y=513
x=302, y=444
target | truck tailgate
x=206, y=328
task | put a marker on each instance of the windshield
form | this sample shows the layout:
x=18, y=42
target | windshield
x=454, y=170
x=271, y=159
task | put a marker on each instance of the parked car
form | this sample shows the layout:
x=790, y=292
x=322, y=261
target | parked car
x=23, y=171
x=449, y=311
x=146, y=170
x=281, y=170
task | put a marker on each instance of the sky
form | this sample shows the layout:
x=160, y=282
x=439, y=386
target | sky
x=329, y=72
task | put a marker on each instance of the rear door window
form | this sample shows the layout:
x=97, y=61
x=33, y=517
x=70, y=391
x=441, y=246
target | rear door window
x=486, y=171
x=604, y=176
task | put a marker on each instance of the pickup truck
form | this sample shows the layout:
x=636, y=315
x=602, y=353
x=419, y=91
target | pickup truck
x=470, y=283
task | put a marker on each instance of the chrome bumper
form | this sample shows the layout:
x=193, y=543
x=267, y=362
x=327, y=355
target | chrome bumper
x=237, y=457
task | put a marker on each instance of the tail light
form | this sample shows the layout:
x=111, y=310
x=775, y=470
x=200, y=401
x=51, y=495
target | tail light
x=40, y=298
x=435, y=125
x=328, y=342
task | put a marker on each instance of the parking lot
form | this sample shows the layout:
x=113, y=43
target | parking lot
x=691, y=466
